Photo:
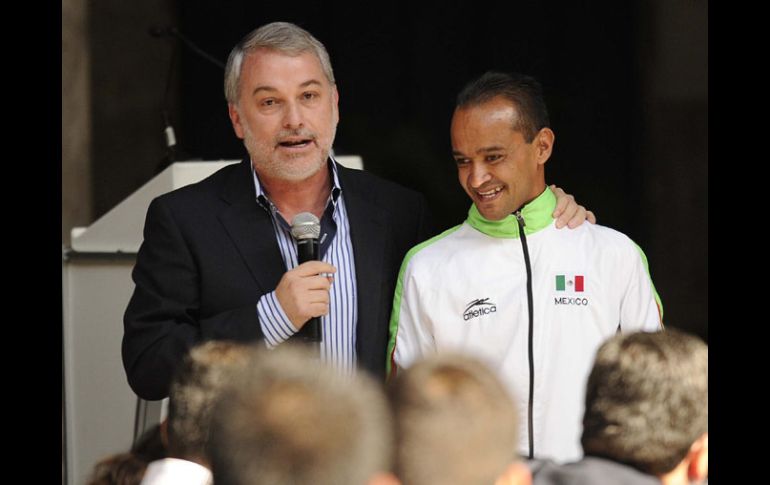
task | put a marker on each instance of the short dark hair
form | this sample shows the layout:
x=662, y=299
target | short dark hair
x=647, y=399
x=524, y=92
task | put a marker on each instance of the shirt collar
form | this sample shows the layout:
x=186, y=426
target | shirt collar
x=268, y=205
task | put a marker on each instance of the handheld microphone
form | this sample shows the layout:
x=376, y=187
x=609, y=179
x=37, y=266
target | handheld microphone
x=306, y=228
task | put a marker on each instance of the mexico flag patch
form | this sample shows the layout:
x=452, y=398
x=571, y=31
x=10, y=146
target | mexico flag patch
x=569, y=282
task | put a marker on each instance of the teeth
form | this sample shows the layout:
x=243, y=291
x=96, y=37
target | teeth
x=294, y=143
x=491, y=192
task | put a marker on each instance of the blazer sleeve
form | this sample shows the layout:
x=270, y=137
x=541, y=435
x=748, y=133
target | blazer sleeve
x=407, y=341
x=426, y=222
x=162, y=320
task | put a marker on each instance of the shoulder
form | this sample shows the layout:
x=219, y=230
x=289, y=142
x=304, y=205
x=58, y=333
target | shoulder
x=595, y=237
x=374, y=187
x=230, y=182
x=435, y=251
x=591, y=471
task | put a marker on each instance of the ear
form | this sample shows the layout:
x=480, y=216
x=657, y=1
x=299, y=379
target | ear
x=543, y=144
x=515, y=474
x=336, y=101
x=235, y=119
x=698, y=456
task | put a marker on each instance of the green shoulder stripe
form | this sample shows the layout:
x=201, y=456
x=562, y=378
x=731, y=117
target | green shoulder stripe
x=396, y=311
x=654, y=291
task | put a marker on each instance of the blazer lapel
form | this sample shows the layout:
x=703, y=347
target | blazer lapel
x=369, y=235
x=251, y=229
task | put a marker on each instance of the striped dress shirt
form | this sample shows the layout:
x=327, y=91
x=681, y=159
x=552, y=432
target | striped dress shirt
x=338, y=327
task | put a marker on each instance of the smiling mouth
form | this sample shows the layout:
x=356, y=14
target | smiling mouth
x=489, y=194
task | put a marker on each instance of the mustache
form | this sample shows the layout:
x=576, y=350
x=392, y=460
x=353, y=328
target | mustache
x=487, y=186
x=298, y=133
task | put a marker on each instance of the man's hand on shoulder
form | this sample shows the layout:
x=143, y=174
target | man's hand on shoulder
x=568, y=212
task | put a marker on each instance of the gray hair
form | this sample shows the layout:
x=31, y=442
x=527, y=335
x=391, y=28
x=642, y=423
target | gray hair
x=283, y=37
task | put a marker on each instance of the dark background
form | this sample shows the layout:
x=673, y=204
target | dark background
x=626, y=85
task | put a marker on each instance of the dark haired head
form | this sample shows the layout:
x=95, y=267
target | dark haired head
x=524, y=92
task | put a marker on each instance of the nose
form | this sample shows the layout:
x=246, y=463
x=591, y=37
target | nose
x=478, y=175
x=292, y=117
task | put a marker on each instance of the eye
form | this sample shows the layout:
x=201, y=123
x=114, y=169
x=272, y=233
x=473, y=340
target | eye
x=309, y=96
x=493, y=158
x=462, y=162
x=268, y=102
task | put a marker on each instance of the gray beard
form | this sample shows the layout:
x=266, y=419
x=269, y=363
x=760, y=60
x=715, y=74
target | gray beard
x=282, y=170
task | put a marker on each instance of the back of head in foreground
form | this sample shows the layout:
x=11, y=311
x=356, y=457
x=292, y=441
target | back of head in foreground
x=197, y=384
x=647, y=404
x=291, y=419
x=455, y=424
x=129, y=468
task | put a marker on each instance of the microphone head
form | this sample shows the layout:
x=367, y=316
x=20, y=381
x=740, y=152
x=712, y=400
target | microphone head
x=305, y=226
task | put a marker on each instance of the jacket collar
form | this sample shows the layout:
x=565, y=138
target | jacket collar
x=537, y=215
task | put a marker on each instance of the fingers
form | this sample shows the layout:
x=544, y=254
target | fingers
x=317, y=303
x=311, y=268
x=568, y=212
x=566, y=208
x=578, y=218
x=303, y=292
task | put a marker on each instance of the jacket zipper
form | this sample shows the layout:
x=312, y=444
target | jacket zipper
x=530, y=307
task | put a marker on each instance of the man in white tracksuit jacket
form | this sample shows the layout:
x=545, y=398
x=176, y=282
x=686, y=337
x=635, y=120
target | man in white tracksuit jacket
x=532, y=301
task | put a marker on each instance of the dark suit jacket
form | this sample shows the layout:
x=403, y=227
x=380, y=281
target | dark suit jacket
x=210, y=252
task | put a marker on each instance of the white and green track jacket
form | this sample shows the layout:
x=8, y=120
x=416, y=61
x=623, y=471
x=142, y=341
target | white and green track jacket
x=535, y=305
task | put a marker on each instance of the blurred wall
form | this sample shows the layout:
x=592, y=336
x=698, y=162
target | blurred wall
x=76, y=117
x=129, y=72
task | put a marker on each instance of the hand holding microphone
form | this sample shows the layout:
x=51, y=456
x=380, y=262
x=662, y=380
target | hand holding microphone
x=304, y=291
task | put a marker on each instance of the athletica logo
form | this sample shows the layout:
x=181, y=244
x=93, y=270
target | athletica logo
x=477, y=308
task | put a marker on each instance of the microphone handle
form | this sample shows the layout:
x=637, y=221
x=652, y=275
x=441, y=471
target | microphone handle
x=307, y=250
